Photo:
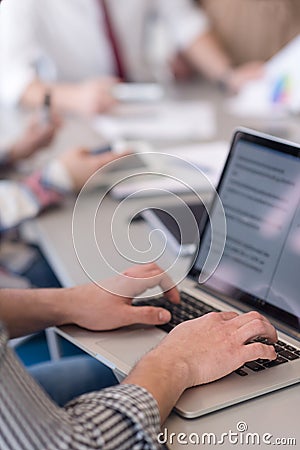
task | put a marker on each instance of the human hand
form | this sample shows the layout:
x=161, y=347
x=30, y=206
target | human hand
x=200, y=351
x=35, y=137
x=240, y=75
x=94, y=96
x=96, y=308
x=217, y=344
x=81, y=164
x=180, y=67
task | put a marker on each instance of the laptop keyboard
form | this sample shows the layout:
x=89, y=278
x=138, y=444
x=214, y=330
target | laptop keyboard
x=191, y=308
x=285, y=353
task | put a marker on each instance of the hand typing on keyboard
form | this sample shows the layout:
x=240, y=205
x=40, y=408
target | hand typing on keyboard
x=111, y=300
x=202, y=350
x=191, y=308
x=218, y=343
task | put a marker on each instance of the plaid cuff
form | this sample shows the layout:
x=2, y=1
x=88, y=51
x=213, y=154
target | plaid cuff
x=128, y=405
x=44, y=195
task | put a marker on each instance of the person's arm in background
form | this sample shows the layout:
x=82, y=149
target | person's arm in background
x=207, y=55
x=87, y=97
x=197, y=42
x=36, y=136
x=20, y=52
x=20, y=201
x=127, y=416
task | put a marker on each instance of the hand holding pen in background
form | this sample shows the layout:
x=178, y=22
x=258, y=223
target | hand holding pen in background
x=38, y=134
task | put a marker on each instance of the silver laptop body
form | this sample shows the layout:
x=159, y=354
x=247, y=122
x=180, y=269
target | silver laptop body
x=259, y=270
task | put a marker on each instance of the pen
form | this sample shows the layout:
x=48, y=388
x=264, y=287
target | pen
x=104, y=149
x=46, y=109
x=118, y=147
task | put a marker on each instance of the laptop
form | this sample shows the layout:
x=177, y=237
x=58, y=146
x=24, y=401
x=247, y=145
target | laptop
x=167, y=222
x=259, y=270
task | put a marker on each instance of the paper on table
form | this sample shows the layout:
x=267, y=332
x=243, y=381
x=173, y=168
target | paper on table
x=162, y=121
x=209, y=158
x=278, y=92
x=138, y=92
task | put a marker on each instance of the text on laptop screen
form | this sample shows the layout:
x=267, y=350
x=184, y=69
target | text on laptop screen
x=260, y=192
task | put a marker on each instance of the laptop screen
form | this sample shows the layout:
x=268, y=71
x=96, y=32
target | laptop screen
x=260, y=192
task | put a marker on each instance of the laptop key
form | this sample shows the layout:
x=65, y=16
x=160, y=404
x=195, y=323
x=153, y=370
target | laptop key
x=190, y=308
x=297, y=353
x=209, y=309
x=241, y=372
x=276, y=362
x=288, y=355
x=261, y=361
x=252, y=365
x=290, y=348
x=166, y=327
x=262, y=340
x=175, y=321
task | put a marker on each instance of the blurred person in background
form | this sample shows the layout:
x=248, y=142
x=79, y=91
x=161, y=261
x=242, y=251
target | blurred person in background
x=22, y=264
x=23, y=200
x=250, y=32
x=81, y=48
x=36, y=137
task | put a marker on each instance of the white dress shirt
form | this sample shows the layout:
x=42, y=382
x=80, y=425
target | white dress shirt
x=66, y=41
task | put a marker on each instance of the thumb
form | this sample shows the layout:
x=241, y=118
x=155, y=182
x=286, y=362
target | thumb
x=149, y=315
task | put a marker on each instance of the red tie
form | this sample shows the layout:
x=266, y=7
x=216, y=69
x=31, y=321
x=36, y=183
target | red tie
x=120, y=71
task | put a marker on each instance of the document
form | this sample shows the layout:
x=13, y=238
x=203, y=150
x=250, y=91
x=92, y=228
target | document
x=164, y=121
x=278, y=91
x=176, y=175
x=260, y=195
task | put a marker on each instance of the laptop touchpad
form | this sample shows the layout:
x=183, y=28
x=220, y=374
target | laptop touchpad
x=131, y=344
